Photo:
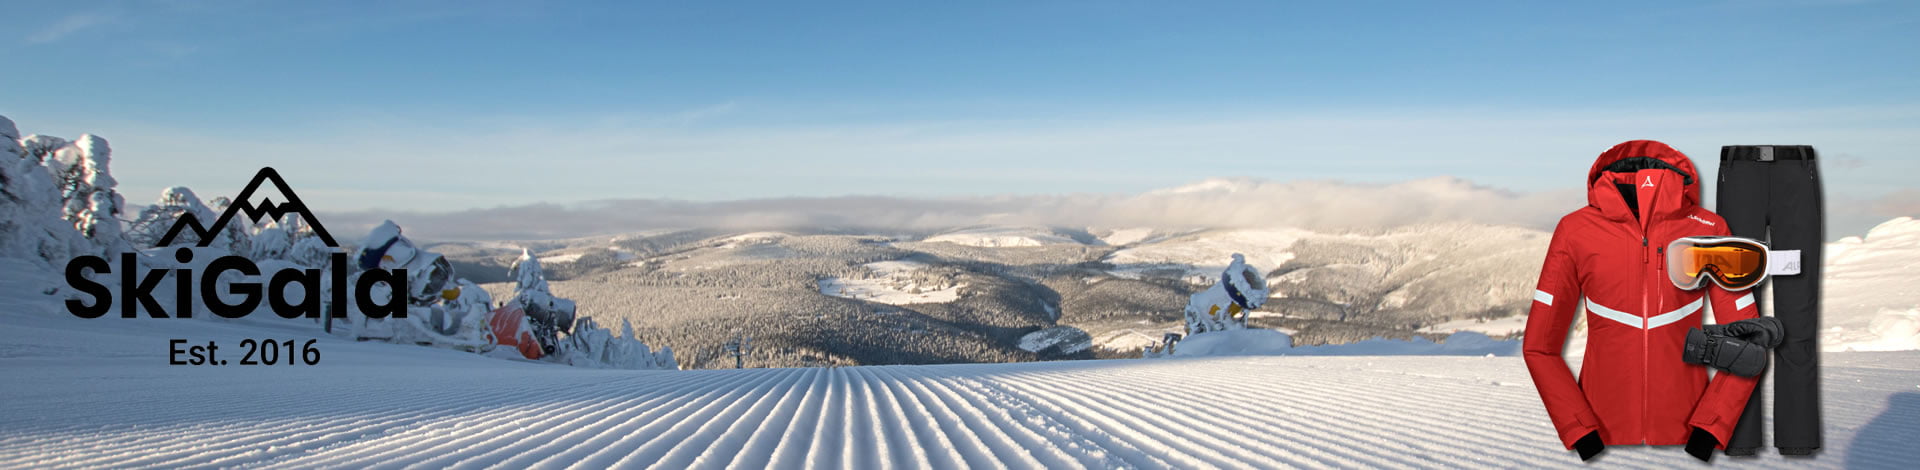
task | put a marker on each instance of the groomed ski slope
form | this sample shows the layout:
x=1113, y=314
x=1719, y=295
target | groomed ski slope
x=80, y=395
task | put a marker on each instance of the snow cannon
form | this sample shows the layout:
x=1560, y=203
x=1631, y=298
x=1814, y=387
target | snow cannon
x=429, y=272
x=533, y=322
x=510, y=328
x=549, y=316
x=439, y=311
x=1226, y=304
x=1245, y=285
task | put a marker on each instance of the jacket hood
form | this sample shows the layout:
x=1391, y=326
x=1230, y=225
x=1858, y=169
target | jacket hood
x=1654, y=165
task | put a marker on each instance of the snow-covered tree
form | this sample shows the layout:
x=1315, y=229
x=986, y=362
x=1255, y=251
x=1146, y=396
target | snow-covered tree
x=238, y=232
x=309, y=251
x=527, y=274
x=593, y=346
x=154, y=220
x=92, y=203
x=32, y=225
x=291, y=239
x=41, y=147
x=86, y=187
x=270, y=242
x=588, y=344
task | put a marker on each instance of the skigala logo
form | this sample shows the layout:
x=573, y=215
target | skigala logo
x=137, y=288
x=244, y=203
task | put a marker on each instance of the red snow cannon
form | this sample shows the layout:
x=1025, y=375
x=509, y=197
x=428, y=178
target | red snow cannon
x=510, y=328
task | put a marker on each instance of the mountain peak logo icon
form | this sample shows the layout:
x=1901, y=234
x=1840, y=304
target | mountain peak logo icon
x=136, y=291
x=244, y=203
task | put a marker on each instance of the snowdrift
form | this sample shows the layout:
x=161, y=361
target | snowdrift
x=1870, y=300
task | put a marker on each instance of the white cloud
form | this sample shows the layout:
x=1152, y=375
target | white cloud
x=69, y=25
x=1324, y=205
x=393, y=163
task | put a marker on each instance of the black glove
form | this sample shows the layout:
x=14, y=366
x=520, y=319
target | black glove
x=1764, y=331
x=1727, y=353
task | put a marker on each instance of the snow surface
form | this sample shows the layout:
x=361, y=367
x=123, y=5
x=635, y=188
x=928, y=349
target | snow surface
x=1494, y=327
x=1203, y=256
x=753, y=238
x=1234, y=343
x=95, y=393
x=559, y=259
x=891, y=283
x=1262, y=342
x=1134, y=339
x=1128, y=236
x=994, y=237
x=1870, y=299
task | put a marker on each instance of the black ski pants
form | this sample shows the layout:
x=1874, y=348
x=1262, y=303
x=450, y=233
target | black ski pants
x=1772, y=193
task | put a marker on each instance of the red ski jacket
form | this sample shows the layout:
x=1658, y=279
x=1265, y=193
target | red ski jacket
x=1609, y=258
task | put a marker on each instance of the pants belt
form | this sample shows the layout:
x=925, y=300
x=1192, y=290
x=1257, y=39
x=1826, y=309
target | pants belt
x=1766, y=153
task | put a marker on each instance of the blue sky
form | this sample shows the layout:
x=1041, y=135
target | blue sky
x=451, y=105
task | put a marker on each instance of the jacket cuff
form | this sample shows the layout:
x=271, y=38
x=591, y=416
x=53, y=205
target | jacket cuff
x=1705, y=421
x=1581, y=425
x=1701, y=445
x=1589, y=446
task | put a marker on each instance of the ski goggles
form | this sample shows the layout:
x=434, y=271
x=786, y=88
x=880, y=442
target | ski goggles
x=1732, y=262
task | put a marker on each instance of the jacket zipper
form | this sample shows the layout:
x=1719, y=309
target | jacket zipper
x=1646, y=393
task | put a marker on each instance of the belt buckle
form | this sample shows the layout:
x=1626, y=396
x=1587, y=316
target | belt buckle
x=1766, y=153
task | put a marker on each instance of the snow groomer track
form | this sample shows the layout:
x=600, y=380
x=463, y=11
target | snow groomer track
x=441, y=409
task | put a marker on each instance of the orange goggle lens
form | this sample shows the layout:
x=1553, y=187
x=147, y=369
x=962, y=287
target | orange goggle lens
x=1733, y=263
